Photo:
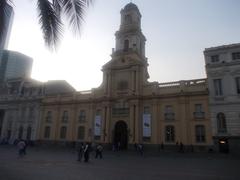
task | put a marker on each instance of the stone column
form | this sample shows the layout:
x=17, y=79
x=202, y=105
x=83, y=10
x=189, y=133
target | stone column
x=154, y=123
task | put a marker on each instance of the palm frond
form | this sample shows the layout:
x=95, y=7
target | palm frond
x=50, y=23
x=57, y=5
x=74, y=10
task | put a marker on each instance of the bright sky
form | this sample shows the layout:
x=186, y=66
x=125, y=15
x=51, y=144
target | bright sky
x=177, y=32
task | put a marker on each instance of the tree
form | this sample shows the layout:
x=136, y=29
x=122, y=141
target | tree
x=50, y=14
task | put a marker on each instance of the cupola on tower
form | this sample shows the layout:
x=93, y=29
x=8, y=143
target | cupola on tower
x=130, y=37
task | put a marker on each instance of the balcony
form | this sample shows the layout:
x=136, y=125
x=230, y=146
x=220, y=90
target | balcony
x=169, y=116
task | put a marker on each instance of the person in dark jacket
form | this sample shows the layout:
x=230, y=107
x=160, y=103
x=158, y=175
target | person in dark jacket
x=80, y=152
x=86, y=152
x=99, y=151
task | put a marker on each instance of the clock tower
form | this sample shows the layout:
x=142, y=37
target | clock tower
x=127, y=72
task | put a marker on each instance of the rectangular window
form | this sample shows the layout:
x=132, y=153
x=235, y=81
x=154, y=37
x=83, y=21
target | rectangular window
x=65, y=116
x=146, y=110
x=82, y=116
x=198, y=111
x=63, y=132
x=238, y=84
x=98, y=112
x=221, y=123
x=47, y=132
x=200, y=133
x=218, y=87
x=49, y=116
x=169, y=134
x=81, y=132
x=236, y=56
x=169, y=114
x=215, y=58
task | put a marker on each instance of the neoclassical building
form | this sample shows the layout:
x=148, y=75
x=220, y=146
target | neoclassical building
x=223, y=72
x=20, y=101
x=127, y=108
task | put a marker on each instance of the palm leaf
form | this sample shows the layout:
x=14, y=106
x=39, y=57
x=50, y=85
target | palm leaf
x=74, y=10
x=57, y=5
x=50, y=23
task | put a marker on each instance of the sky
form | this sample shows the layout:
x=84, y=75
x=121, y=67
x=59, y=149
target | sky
x=177, y=32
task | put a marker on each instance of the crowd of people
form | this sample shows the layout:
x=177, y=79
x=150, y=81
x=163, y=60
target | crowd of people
x=85, y=149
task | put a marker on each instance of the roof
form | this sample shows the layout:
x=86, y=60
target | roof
x=131, y=6
x=222, y=47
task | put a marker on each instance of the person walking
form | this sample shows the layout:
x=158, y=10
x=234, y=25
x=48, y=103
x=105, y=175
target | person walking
x=80, y=152
x=99, y=151
x=140, y=149
x=25, y=147
x=21, y=147
x=86, y=152
x=181, y=147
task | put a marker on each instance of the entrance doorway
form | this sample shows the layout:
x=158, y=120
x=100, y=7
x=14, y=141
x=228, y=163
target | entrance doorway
x=223, y=145
x=121, y=134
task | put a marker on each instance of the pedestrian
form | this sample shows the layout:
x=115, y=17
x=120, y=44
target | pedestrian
x=99, y=150
x=162, y=146
x=118, y=145
x=86, y=152
x=181, y=147
x=135, y=146
x=80, y=152
x=21, y=145
x=140, y=149
x=25, y=147
x=113, y=147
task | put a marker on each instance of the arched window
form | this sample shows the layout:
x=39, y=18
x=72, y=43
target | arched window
x=126, y=45
x=221, y=123
x=128, y=19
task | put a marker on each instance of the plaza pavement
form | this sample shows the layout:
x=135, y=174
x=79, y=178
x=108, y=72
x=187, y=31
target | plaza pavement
x=61, y=164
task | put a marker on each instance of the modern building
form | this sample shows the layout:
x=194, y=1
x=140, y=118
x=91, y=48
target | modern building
x=20, y=102
x=127, y=108
x=14, y=65
x=223, y=73
x=8, y=21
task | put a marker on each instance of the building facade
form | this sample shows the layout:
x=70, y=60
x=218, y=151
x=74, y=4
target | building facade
x=14, y=65
x=19, y=108
x=127, y=108
x=9, y=14
x=223, y=73
x=20, y=102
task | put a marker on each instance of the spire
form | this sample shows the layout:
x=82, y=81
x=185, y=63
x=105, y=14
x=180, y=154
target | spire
x=130, y=37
